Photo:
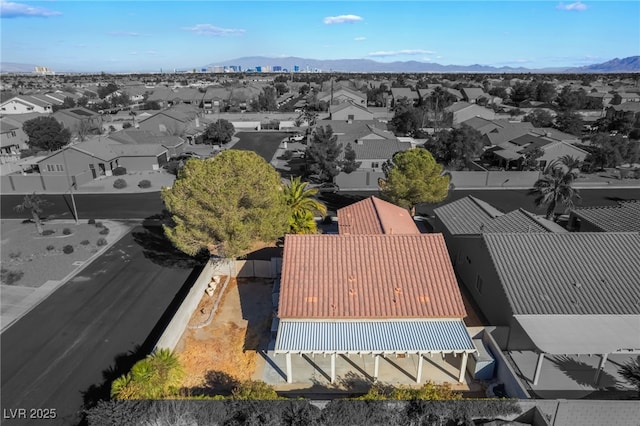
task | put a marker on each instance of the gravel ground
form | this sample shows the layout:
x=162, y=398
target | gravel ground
x=26, y=253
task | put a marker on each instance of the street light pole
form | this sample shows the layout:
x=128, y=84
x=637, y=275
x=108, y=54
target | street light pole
x=66, y=170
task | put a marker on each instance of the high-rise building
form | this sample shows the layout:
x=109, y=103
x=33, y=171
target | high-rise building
x=277, y=68
x=296, y=68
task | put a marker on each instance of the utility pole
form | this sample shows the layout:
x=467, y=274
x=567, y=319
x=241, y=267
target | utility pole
x=66, y=170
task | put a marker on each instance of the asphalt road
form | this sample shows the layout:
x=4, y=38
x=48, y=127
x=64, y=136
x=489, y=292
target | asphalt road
x=263, y=143
x=66, y=351
x=143, y=205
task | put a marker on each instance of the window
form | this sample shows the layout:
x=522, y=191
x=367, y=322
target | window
x=350, y=117
x=59, y=168
x=479, y=284
x=375, y=165
x=13, y=133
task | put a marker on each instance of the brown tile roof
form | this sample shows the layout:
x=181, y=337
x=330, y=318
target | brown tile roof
x=368, y=276
x=375, y=216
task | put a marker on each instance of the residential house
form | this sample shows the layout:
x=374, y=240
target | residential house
x=550, y=291
x=340, y=94
x=515, y=150
x=380, y=296
x=174, y=145
x=12, y=140
x=215, y=99
x=373, y=216
x=623, y=217
x=629, y=111
x=473, y=94
x=170, y=122
x=600, y=99
x=24, y=104
x=349, y=111
x=463, y=111
x=399, y=93
x=79, y=120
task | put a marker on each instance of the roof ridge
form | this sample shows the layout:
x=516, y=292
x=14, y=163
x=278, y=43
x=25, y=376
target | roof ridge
x=374, y=200
x=479, y=203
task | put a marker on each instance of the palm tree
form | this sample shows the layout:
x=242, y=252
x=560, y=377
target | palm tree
x=303, y=205
x=35, y=205
x=156, y=376
x=631, y=372
x=555, y=187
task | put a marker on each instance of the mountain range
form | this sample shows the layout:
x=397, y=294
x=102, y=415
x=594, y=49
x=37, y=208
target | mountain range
x=625, y=65
x=630, y=64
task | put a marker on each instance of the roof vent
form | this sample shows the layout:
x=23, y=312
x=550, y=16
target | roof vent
x=577, y=285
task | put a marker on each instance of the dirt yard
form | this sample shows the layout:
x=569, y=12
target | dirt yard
x=224, y=352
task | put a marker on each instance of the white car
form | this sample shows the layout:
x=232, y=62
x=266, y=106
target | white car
x=296, y=138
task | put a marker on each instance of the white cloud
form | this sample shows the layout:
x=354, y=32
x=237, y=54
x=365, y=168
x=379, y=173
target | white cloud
x=576, y=7
x=360, y=38
x=342, y=19
x=212, y=30
x=18, y=10
x=401, y=52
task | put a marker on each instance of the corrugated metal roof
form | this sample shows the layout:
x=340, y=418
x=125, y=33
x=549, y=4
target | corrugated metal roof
x=466, y=215
x=568, y=273
x=375, y=216
x=520, y=221
x=625, y=217
x=368, y=276
x=373, y=336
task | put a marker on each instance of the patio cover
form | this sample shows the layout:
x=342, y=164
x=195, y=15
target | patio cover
x=377, y=336
x=506, y=154
x=582, y=334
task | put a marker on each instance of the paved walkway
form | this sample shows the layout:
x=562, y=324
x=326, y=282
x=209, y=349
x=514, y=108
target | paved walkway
x=17, y=301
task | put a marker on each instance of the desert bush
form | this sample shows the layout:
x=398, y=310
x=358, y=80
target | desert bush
x=10, y=277
x=48, y=232
x=144, y=183
x=68, y=249
x=50, y=247
x=119, y=171
x=120, y=183
x=67, y=231
x=104, y=231
x=101, y=242
x=91, y=221
x=85, y=242
x=15, y=254
x=99, y=225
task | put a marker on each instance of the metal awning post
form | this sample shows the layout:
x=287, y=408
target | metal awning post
x=463, y=366
x=376, y=366
x=289, y=373
x=536, y=375
x=419, y=374
x=603, y=361
x=333, y=367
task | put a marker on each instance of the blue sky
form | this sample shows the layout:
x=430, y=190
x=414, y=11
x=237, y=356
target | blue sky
x=152, y=35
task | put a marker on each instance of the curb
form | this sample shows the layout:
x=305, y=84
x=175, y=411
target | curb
x=49, y=287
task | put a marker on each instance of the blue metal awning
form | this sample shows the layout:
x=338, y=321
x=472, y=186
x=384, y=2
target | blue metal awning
x=377, y=336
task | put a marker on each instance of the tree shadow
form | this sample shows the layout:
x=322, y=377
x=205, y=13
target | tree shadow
x=585, y=374
x=157, y=247
x=216, y=383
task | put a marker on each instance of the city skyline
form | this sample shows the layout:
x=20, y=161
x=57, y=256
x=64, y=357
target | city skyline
x=148, y=36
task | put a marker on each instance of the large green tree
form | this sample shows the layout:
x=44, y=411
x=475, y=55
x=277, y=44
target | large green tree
x=555, y=187
x=303, y=206
x=34, y=204
x=539, y=118
x=455, y=148
x=322, y=154
x=349, y=163
x=157, y=376
x=225, y=204
x=570, y=122
x=219, y=132
x=413, y=177
x=46, y=133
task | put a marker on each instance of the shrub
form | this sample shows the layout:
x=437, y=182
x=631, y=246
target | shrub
x=68, y=249
x=119, y=171
x=126, y=125
x=99, y=225
x=120, y=183
x=9, y=277
x=84, y=242
x=48, y=232
x=101, y=242
x=50, y=247
x=144, y=183
x=104, y=231
x=67, y=231
x=15, y=254
x=91, y=221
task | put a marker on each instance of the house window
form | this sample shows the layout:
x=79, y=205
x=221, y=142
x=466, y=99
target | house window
x=59, y=168
x=479, y=284
x=350, y=117
x=13, y=133
x=375, y=165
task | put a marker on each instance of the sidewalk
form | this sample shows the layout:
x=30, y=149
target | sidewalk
x=17, y=301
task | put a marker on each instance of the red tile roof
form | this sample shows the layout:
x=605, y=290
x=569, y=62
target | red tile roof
x=375, y=216
x=368, y=276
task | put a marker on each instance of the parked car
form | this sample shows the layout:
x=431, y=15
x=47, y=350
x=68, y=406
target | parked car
x=296, y=138
x=326, y=187
x=185, y=156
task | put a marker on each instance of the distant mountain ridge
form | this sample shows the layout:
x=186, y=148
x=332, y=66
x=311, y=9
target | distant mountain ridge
x=630, y=64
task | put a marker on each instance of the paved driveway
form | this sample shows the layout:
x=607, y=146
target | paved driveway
x=66, y=351
x=264, y=143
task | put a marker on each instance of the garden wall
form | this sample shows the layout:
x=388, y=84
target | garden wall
x=504, y=373
x=493, y=179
